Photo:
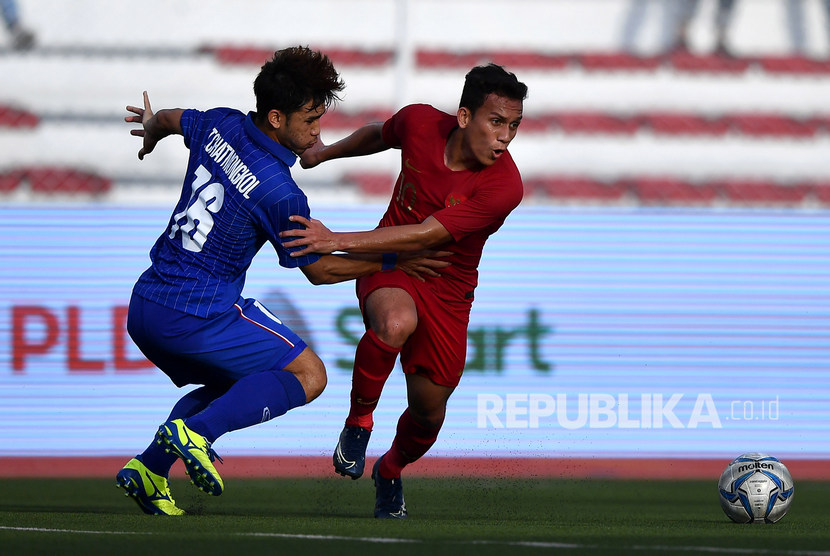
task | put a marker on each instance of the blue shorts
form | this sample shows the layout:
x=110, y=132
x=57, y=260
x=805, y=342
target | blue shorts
x=245, y=339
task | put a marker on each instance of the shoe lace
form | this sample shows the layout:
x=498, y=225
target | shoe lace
x=211, y=453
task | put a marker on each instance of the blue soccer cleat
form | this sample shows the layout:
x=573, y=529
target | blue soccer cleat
x=350, y=454
x=389, y=502
x=195, y=451
x=149, y=490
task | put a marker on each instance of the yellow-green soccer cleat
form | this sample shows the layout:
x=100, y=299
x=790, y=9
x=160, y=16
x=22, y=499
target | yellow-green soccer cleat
x=195, y=451
x=150, y=491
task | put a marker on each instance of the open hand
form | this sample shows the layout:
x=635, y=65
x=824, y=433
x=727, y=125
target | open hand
x=142, y=116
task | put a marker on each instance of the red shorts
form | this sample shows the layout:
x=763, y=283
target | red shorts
x=438, y=347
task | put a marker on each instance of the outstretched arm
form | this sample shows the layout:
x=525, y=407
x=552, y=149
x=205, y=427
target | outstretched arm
x=363, y=141
x=154, y=126
x=331, y=269
x=316, y=238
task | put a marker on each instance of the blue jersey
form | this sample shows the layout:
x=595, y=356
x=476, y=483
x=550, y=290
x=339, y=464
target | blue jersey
x=238, y=193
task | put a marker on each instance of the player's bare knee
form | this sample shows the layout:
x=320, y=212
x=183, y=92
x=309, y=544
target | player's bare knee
x=311, y=372
x=316, y=384
x=395, y=329
x=315, y=379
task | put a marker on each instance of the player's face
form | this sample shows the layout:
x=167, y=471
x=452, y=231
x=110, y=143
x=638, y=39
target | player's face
x=301, y=129
x=492, y=127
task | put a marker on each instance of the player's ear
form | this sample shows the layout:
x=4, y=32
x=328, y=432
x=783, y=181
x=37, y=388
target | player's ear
x=276, y=118
x=464, y=116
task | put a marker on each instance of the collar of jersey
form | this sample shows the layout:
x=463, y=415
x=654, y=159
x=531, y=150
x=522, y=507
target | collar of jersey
x=265, y=142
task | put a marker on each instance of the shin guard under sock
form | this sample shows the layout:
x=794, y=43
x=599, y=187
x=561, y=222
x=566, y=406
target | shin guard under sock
x=373, y=363
x=252, y=400
x=411, y=442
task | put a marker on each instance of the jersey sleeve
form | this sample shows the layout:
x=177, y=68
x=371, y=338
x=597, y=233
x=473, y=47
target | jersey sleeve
x=190, y=121
x=276, y=221
x=197, y=124
x=486, y=209
x=395, y=128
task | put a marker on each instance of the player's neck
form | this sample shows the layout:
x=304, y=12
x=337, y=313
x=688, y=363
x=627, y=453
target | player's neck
x=458, y=157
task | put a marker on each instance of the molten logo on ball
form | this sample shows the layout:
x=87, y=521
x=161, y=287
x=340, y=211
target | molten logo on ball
x=755, y=488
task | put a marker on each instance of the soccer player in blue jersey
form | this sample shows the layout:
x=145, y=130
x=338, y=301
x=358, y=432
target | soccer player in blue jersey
x=187, y=314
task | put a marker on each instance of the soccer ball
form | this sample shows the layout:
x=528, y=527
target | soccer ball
x=755, y=488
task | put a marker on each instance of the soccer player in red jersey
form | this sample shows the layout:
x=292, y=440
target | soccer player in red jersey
x=457, y=185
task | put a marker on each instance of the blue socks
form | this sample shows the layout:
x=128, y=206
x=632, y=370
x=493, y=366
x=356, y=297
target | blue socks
x=154, y=457
x=212, y=412
x=252, y=400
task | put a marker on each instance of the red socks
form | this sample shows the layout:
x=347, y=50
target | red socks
x=411, y=442
x=373, y=363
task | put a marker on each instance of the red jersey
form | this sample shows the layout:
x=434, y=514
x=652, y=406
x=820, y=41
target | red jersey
x=470, y=204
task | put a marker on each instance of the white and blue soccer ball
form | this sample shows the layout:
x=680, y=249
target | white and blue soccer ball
x=755, y=488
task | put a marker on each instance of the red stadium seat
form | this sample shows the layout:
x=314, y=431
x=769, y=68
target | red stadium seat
x=537, y=124
x=339, y=119
x=713, y=63
x=771, y=125
x=437, y=59
x=10, y=181
x=15, y=117
x=793, y=65
x=669, y=190
x=666, y=123
x=239, y=54
x=820, y=191
x=595, y=122
x=574, y=187
x=373, y=184
x=616, y=61
x=66, y=180
x=258, y=55
x=755, y=191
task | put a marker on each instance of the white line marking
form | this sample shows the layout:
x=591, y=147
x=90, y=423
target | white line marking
x=76, y=531
x=395, y=540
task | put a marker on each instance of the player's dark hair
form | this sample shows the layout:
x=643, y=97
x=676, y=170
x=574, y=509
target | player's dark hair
x=292, y=78
x=490, y=79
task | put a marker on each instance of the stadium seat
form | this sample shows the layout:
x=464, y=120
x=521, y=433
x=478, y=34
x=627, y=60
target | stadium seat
x=758, y=191
x=372, y=184
x=436, y=59
x=594, y=122
x=16, y=117
x=616, y=61
x=339, y=119
x=712, y=63
x=669, y=191
x=666, y=123
x=10, y=181
x=760, y=125
x=820, y=192
x=52, y=180
x=230, y=54
x=793, y=65
x=574, y=187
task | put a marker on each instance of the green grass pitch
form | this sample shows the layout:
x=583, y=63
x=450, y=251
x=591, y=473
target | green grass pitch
x=447, y=516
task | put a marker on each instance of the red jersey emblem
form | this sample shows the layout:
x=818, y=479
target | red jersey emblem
x=453, y=199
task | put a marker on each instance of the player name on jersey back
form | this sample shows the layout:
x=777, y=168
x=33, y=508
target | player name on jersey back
x=237, y=171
